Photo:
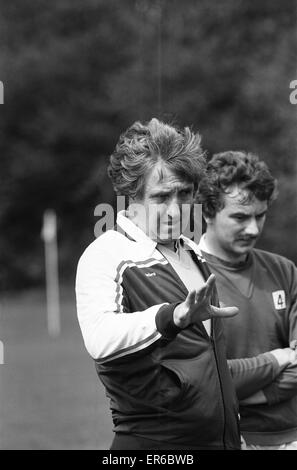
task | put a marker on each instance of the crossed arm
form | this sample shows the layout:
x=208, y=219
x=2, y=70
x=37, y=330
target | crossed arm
x=271, y=377
x=267, y=378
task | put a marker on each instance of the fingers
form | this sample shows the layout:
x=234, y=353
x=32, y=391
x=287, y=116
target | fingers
x=224, y=312
x=210, y=283
x=211, y=280
x=284, y=356
x=206, y=290
x=201, y=293
x=190, y=300
x=292, y=356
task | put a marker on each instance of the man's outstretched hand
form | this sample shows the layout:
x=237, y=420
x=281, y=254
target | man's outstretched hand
x=197, y=306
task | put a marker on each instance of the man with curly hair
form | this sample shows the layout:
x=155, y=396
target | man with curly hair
x=147, y=304
x=236, y=192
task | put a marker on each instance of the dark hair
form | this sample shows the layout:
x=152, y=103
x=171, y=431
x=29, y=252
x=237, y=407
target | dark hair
x=229, y=168
x=141, y=146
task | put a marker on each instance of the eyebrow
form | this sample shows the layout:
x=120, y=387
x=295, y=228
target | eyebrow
x=262, y=213
x=247, y=215
x=179, y=187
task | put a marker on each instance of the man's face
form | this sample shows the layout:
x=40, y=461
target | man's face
x=235, y=229
x=164, y=209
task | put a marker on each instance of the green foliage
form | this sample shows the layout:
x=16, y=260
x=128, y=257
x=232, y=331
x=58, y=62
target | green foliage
x=78, y=72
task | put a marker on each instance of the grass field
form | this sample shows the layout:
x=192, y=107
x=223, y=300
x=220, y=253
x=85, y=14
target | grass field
x=50, y=395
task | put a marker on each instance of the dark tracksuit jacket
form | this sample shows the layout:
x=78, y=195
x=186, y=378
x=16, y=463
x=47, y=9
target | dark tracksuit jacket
x=267, y=320
x=170, y=386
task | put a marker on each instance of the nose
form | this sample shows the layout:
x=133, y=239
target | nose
x=252, y=228
x=173, y=210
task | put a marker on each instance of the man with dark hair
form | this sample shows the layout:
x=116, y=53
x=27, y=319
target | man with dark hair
x=147, y=304
x=236, y=192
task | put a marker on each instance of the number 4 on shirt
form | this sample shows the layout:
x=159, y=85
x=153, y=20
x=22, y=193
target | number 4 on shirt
x=279, y=299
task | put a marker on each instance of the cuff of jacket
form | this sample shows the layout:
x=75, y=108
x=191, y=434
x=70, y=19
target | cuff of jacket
x=271, y=391
x=164, y=321
x=276, y=369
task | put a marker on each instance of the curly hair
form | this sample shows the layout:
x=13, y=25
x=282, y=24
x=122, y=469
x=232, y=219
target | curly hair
x=142, y=146
x=234, y=168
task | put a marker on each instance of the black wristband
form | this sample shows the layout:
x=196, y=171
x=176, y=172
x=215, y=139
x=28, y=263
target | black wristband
x=164, y=321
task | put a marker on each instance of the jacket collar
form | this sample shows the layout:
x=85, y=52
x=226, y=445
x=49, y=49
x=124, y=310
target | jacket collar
x=147, y=244
x=202, y=244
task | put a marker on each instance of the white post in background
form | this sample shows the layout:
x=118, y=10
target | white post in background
x=1, y=353
x=49, y=233
x=1, y=93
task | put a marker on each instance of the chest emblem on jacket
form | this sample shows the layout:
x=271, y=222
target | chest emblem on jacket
x=279, y=299
x=150, y=274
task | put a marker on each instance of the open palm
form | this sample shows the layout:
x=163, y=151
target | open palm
x=197, y=306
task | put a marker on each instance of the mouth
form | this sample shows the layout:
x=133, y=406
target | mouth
x=169, y=230
x=246, y=241
x=171, y=224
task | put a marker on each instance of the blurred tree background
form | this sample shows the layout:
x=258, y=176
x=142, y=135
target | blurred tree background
x=76, y=73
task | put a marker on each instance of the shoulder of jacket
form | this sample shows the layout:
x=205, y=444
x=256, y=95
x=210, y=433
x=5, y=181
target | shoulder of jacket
x=106, y=245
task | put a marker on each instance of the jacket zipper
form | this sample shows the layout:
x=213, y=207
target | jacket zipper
x=220, y=381
x=206, y=272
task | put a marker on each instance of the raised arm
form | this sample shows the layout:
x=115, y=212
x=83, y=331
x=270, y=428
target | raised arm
x=109, y=329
